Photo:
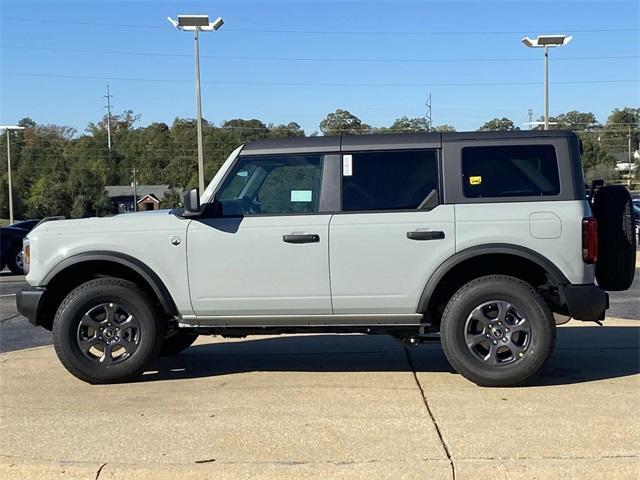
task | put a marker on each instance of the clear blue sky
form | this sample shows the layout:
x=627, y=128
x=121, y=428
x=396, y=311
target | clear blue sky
x=251, y=70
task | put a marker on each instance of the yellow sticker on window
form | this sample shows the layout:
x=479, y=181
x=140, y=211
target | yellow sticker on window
x=475, y=180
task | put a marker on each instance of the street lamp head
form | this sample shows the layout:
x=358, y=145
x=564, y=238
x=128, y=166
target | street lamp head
x=11, y=127
x=190, y=23
x=217, y=23
x=193, y=20
x=547, y=41
x=173, y=22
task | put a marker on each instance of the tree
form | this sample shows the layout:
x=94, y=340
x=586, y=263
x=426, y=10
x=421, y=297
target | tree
x=499, y=125
x=343, y=122
x=573, y=120
x=445, y=128
x=247, y=130
x=620, y=123
x=292, y=129
x=405, y=124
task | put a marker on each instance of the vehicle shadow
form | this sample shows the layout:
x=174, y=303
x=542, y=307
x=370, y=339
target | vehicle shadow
x=583, y=354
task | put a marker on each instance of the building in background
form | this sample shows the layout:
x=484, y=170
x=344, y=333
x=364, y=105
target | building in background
x=148, y=197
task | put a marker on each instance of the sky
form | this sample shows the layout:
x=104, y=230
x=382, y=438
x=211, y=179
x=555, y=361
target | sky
x=283, y=61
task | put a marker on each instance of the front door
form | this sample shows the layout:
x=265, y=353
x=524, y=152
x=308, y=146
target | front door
x=267, y=254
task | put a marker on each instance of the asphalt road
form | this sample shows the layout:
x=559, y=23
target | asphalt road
x=17, y=333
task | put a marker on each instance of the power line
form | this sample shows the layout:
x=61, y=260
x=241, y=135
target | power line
x=330, y=32
x=319, y=59
x=322, y=84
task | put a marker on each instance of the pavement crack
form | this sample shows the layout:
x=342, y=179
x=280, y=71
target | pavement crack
x=100, y=470
x=433, y=418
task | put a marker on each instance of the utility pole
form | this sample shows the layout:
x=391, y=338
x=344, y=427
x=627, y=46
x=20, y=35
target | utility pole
x=530, y=113
x=108, y=96
x=9, y=178
x=428, y=115
x=7, y=128
x=135, y=191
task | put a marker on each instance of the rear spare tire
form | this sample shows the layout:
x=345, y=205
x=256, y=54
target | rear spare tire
x=616, y=265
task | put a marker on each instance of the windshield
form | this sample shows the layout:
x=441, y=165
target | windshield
x=206, y=195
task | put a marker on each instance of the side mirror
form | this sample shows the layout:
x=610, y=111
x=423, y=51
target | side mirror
x=192, y=203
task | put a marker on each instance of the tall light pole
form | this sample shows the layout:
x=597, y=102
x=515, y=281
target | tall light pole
x=546, y=42
x=8, y=128
x=195, y=24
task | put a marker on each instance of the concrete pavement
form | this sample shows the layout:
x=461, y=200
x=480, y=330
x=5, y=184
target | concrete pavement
x=327, y=406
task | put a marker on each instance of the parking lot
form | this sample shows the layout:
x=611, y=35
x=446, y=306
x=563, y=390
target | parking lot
x=323, y=406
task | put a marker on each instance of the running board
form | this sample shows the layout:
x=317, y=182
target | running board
x=339, y=320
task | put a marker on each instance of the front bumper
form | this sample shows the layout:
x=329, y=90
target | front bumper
x=29, y=302
x=584, y=302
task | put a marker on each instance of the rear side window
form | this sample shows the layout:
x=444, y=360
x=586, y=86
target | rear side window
x=510, y=171
x=392, y=180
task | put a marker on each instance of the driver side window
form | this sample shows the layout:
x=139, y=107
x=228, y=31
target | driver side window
x=273, y=184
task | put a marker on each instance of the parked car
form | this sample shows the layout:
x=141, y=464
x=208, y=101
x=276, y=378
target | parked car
x=11, y=245
x=636, y=213
x=476, y=239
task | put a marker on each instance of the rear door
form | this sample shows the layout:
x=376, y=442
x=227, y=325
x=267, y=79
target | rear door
x=391, y=233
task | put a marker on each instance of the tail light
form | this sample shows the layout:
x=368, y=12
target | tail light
x=589, y=240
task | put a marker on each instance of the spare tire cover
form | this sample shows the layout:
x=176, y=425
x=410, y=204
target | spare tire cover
x=616, y=265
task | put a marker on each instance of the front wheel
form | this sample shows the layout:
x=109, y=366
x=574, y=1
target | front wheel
x=15, y=260
x=106, y=331
x=497, y=331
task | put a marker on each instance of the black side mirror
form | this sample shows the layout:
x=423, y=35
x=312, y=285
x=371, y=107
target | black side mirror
x=192, y=203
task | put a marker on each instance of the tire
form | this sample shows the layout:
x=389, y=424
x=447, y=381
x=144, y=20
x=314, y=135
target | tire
x=14, y=259
x=99, y=310
x=525, y=334
x=177, y=343
x=616, y=263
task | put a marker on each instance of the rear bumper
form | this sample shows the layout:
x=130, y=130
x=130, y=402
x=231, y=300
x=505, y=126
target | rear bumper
x=584, y=302
x=29, y=301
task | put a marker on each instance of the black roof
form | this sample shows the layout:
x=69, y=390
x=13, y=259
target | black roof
x=390, y=141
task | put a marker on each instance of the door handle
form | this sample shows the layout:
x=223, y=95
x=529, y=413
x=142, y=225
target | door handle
x=426, y=235
x=301, y=238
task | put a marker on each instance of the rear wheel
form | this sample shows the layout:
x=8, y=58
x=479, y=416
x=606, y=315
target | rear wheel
x=177, y=343
x=497, y=331
x=106, y=331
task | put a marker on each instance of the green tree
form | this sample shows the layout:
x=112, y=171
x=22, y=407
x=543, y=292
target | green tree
x=343, y=122
x=247, y=130
x=500, y=125
x=445, y=128
x=573, y=120
x=292, y=129
x=406, y=124
x=620, y=124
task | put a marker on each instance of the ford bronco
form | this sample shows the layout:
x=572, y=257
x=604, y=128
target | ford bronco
x=483, y=240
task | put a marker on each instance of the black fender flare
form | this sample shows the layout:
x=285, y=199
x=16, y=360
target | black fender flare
x=147, y=274
x=556, y=276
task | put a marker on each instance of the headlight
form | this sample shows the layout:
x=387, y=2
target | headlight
x=26, y=254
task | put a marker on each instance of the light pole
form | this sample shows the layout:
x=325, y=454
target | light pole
x=195, y=24
x=7, y=128
x=546, y=42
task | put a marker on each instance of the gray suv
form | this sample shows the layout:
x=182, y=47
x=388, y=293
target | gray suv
x=483, y=240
